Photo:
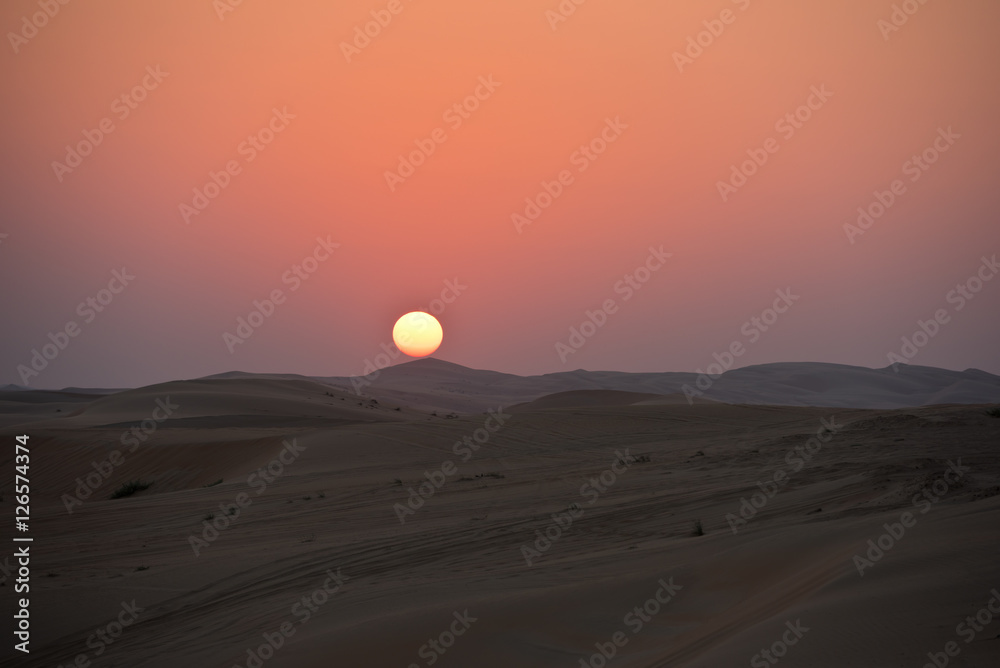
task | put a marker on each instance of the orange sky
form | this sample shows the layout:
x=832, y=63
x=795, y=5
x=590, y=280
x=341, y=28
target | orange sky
x=545, y=89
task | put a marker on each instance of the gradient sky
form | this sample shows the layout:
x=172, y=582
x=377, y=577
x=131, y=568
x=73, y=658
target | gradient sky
x=323, y=176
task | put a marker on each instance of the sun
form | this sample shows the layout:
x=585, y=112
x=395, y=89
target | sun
x=417, y=334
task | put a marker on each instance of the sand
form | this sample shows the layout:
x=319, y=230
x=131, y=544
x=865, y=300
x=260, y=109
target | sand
x=458, y=565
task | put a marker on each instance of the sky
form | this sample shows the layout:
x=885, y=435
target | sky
x=617, y=185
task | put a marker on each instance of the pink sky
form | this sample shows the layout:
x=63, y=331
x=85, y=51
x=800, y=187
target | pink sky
x=498, y=99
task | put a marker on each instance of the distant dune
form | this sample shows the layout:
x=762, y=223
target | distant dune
x=436, y=385
x=580, y=398
x=661, y=489
x=443, y=385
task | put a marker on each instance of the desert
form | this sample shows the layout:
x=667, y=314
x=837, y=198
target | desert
x=291, y=522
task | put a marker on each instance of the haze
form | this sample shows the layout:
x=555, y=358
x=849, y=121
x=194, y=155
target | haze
x=531, y=92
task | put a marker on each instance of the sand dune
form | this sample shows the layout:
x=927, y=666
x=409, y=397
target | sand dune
x=334, y=508
x=435, y=384
x=580, y=398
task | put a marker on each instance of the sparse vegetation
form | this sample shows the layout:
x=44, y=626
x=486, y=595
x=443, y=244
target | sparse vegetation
x=699, y=530
x=994, y=412
x=142, y=568
x=640, y=459
x=129, y=488
x=397, y=482
x=209, y=517
x=480, y=476
x=213, y=484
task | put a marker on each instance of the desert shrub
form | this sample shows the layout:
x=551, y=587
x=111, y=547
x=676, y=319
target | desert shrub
x=129, y=488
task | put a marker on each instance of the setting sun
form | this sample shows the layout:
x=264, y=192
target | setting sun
x=417, y=334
